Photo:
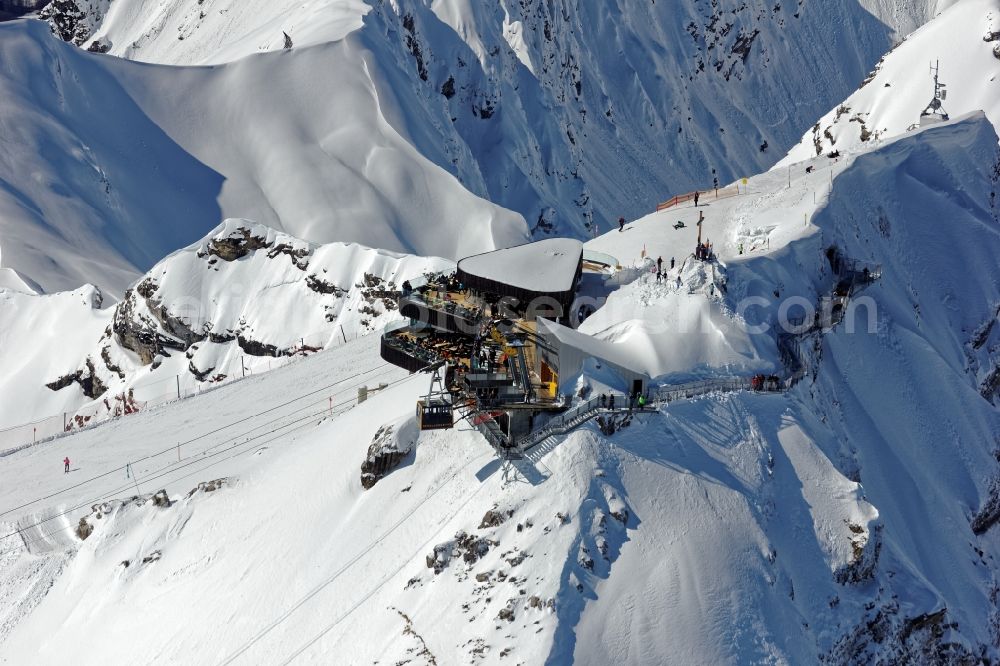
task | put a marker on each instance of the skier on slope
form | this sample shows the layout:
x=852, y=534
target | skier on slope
x=66, y=465
x=697, y=195
x=659, y=264
x=621, y=224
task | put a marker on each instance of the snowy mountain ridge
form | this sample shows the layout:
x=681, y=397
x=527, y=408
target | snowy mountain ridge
x=850, y=519
x=244, y=299
x=805, y=527
x=564, y=120
x=964, y=40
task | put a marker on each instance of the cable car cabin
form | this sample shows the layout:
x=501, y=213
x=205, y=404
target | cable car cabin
x=434, y=414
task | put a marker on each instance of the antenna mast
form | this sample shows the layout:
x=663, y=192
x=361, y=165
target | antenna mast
x=935, y=113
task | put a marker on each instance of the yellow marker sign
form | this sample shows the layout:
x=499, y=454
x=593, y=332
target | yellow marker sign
x=744, y=181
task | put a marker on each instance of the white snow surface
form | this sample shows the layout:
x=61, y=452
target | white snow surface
x=901, y=86
x=292, y=296
x=389, y=123
x=195, y=33
x=123, y=172
x=545, y=265
x=831, y=522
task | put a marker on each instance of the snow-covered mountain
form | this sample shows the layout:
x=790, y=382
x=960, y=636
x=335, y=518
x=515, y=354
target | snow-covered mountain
x=850, y=520
x=386, y=123
x=965, y=40
x=116, y=164
x=244, y=299
x=196, y=32
x=281, y=519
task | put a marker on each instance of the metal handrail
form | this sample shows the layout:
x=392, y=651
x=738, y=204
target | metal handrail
x=584, y=412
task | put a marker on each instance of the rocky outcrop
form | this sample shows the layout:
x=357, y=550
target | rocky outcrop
x=73, y=21
x=469, y=547
x=494, y=518
x=150, y=334
x=388, y=449
x=208, y=486
x=298, y=256
x=376, y=290
x=256, y=348
x=204, y=302
x=200, y=375
x=989, y=514
x=109, y=364
x=236, y=245
x=886, y=635
x=67, y=21
x=86, y=377
x=867, y=546
x=321, y=286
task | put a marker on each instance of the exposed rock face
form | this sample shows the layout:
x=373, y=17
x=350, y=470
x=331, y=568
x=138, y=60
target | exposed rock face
x=208, y=486
x=470, y=547
x=237, y=245
x=494, y=517
x=388, y=449
x=67, y=20
x=989, y=514
x=84, y=529
x=247, y=286
x=886, y=635
x=321, y=286
x=150, y=334
x=75, y=21
x=867, y=547
x=86, y=377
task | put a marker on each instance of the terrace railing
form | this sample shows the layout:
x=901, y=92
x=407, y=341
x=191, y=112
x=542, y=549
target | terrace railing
x=580, y=414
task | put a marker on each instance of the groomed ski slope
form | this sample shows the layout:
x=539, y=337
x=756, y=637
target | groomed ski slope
x=729, y=529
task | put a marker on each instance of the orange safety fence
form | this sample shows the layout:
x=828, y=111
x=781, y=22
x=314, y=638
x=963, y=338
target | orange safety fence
x=706, y=195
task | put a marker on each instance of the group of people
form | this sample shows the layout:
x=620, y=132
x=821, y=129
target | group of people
x=485, y=357
x=704, y=252
x=660, y=273
x=634, y=400
x=763, y=382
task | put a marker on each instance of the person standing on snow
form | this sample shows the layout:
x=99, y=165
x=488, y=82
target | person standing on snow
x=697, y=195
x=66, y=465
x=659, y=264
x=671, y=262
x=621, y=224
